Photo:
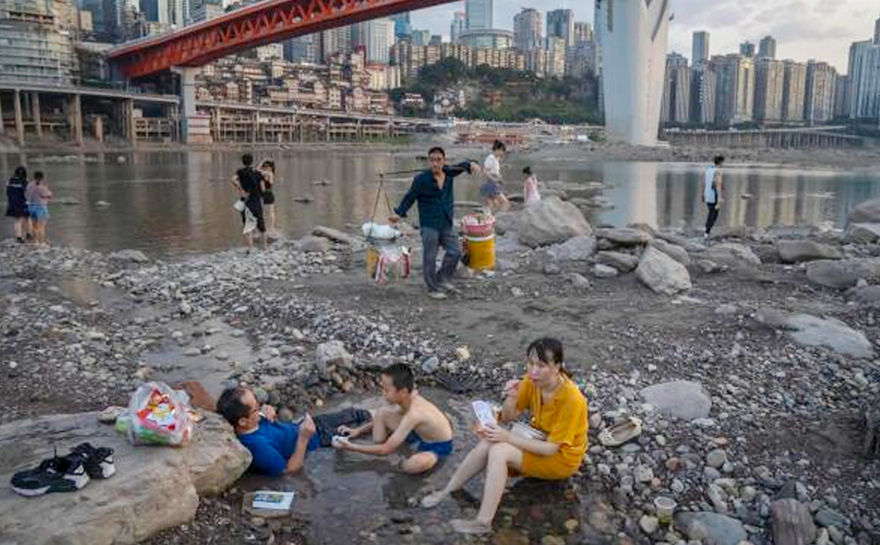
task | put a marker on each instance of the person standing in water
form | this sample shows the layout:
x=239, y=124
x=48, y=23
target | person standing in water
x=16, y=203
x=250, y=184
x=38, y=196
x=267, y=169
x=712, y=188
x=491, y=191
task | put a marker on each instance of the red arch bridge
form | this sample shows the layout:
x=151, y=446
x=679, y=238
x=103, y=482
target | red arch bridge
x=242, y=29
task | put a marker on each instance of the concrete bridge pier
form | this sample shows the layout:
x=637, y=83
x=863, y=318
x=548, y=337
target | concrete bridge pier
x=192, y=126
x=35, y=114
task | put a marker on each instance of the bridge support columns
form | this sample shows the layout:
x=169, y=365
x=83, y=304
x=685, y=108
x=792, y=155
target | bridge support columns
x=188, y=105
x=76, y=120
x=35, y=109
x=19, y=120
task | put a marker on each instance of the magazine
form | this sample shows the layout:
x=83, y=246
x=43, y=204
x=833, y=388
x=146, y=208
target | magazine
x=484, y=413
x=277, y=501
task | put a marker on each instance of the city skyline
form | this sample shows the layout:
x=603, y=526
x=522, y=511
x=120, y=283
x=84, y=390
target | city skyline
x=803, y=29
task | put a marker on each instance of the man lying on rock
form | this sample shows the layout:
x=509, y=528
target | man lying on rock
x=411, y=419
x=280, y=448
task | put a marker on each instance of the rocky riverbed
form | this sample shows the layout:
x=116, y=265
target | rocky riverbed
x=750, y=360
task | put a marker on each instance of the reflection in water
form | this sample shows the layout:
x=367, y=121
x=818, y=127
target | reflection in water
x=176, y=203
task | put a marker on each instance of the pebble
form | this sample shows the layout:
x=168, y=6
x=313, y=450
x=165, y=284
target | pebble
x=716, y=458
x=649, y=524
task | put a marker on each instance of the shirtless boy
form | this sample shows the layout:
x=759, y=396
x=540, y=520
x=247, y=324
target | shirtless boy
x=411, y=419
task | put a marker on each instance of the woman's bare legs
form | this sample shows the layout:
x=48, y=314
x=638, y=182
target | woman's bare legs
x=471, y=466
x=502, y=457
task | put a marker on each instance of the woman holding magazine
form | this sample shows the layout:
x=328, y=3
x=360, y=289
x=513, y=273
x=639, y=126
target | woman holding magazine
x=551, y=449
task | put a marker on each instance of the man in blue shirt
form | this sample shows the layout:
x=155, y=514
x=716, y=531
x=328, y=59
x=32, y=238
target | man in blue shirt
x=278, y=448
x=433, y=189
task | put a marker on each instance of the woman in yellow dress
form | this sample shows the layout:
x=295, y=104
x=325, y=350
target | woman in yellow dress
x=556, y=408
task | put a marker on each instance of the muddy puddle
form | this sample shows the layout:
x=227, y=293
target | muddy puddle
x=345, y=497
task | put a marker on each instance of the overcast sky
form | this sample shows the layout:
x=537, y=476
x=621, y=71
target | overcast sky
x=804, y=29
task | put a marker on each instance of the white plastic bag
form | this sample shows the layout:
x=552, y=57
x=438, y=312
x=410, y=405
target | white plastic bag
x=379, y=231
x=158, y=415
x=238, y=205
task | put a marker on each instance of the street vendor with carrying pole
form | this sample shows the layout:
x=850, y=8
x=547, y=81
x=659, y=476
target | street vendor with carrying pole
x=434, y=191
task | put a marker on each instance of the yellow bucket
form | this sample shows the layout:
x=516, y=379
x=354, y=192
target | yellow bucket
x=481, y=252
x=372, y=258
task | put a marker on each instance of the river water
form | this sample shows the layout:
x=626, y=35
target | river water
x=170, y=204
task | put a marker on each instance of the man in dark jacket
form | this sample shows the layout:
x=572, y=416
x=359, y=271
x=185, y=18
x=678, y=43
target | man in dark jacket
x=433, y=189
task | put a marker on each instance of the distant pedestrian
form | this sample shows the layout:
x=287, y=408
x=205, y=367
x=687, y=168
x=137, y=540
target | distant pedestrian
x=267, y=169
x=531, y=194
x=16, y=203
x=433, y=189
x=712, y=191
x=38, y=196
x=250, y=185
x=492, y=191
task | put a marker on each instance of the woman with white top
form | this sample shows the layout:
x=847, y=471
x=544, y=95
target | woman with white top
x=493, y=195
x=712, y=188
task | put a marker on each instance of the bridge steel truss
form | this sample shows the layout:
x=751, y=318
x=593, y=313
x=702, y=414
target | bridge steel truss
x=262, y=23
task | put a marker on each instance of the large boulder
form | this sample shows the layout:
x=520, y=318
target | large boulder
x=313, y=244
x=866, y=212
x=674, y=251
x=809, y=330
x=842, y=274
x=681, y=399
x=626, y=236
x=619, y=260
x=797, y=251
x=792, y=523
x=732, y=254
x=332, y=354
x=711, y=528
x=506, y=222
x=865, y=296
x=863, y=233
x=661, y=273
x=551, y=221
x=332, y=234
x=154, y=487
x=573, y=249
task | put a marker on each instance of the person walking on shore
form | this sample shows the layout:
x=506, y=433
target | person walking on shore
x=712, y=188
x=250, y=185
x=491, y=190
x=16, y=203
x=38, y=196
x=267, y=169
x=531, y=195
x=433, y=189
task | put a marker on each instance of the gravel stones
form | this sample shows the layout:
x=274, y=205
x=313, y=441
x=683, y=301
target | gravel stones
x=711, y=528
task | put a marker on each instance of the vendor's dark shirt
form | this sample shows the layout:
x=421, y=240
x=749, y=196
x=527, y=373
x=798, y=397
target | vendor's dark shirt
x=436, y=205
x=249, y=179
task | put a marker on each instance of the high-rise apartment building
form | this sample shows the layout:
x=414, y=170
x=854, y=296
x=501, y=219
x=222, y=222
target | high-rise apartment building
x=376, y=36
x=821, y=87
x=842, y=98
x=555, y=56
x=769, y=89
x=700, y=49
x=702, y=94
x=675, y=107
x=478, y=14
x=402, y=27
x=877, y=31
x=734, y=88
x=36, y=41
x=421, y=37
x=335, y=40
x=459, y=25
x=205, y=10
x=583, y=32
x=560, y=24
x=527, y=29
x=794, y=86
x=864, y=74
x=747, y=49
x=303, y=49
x=767, y=48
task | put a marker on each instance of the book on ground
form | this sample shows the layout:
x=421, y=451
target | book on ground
x=269, y=499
